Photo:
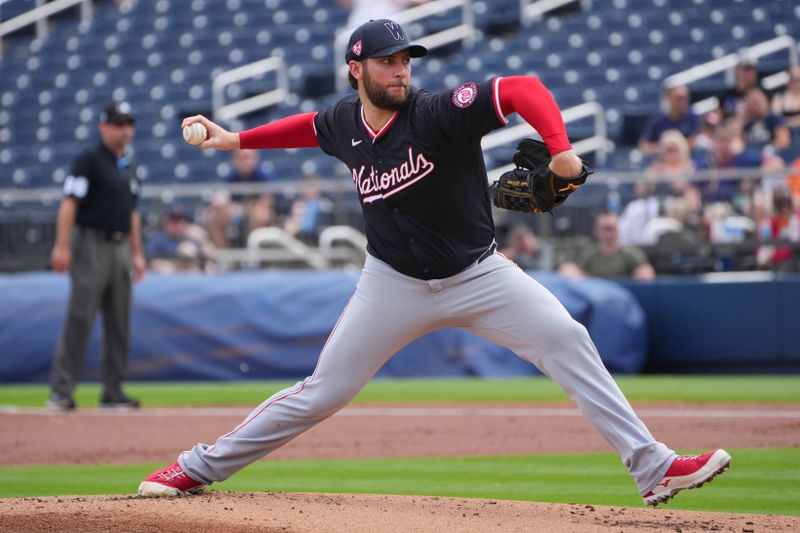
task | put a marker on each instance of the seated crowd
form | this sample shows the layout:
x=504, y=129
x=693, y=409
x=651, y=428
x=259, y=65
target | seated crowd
x=187, y=239
x=721, y=179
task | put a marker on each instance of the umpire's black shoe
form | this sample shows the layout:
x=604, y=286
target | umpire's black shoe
x=58, y=402
x=118, y=401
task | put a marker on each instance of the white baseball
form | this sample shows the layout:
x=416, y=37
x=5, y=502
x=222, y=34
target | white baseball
x=195, y=133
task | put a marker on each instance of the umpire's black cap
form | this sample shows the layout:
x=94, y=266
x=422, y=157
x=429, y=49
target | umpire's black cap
x=118, y=113
x=380, y=38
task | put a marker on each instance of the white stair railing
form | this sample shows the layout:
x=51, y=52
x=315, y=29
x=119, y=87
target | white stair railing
x=530, y=10
x=348, y=234
x=227, y=112
x=464, y=32
x=293, y=248
x=728, y=62
x=355, y=241
x=39, y=16
x=596, y=143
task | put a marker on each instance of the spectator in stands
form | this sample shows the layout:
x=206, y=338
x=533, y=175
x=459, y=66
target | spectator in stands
x=673, y=156
x=678, y=116
x=610, y=259
x=246, y=168
x=526, y=251
x=728, y=151
x=261, y=212
x=175, y=248
x=745, y=78
x=784, y=227
x=256, y=210
x=229, y=218
x=681, y=219
x=98, y=239
x=762, y=128
x=787, y=103
x=743, y=201
x=638, y=212
x=793, y=180
x=308, y=213
x=222, y=219
x=725, y=226
x=705, y=138
x=362, y=11
x=673, y=168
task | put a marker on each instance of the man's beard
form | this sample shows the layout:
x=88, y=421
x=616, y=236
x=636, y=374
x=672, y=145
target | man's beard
x=382, y=98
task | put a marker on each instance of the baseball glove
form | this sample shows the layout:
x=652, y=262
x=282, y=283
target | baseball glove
x=532, y=187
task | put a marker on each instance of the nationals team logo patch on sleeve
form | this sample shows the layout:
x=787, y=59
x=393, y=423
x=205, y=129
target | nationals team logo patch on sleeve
x=464, y=95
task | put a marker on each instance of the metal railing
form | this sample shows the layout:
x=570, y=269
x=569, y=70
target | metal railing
x=227, y=112
x=228, y=259
x=596, y=143
x=530, y=10
x=779, y=79
x=27, y=230
x=345, y=243
x=348, y=234
x=728, y=62
x=293, y=249
x=39, y=16
x=50, y=196
x=464, y=32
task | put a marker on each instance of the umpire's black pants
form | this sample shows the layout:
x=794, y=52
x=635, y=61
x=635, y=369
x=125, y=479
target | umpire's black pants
x=101, y=279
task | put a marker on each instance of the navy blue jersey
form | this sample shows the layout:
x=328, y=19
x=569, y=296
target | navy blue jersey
x=421, y=179
x=107, y=188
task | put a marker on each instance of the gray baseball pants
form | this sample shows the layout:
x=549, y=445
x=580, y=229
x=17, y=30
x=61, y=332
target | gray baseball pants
x=493, y=299
x=100, y=277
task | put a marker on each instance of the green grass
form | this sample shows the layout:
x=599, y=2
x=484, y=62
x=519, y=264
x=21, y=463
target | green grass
x=760, y=480
x=637, y=388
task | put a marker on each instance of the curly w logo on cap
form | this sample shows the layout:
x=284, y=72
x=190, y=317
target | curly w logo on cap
x=380, y=38
x=396, y=31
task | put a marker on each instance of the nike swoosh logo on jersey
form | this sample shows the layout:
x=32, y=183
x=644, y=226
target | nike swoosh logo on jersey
x=355, y=142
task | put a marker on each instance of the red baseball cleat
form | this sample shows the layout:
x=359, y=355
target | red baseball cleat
x=688, y=472
x=168, y=482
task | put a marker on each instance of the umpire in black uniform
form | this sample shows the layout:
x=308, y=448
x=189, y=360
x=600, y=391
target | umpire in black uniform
x=98, y=239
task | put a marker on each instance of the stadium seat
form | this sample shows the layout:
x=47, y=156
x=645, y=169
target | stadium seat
x=161, y=56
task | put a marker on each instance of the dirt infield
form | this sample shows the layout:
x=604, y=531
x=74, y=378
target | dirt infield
x=156, y=435
x=356, y=513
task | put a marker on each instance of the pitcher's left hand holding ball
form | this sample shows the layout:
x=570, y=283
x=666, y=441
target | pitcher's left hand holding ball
x=218, y=137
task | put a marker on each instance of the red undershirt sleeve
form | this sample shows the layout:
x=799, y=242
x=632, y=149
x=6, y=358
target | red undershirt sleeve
x=527, y=96
x=295, y=131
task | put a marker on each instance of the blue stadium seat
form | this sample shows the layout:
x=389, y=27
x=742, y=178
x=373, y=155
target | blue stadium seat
x=161, y=56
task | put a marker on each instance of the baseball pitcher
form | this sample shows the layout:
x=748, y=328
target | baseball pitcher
x=417, y=166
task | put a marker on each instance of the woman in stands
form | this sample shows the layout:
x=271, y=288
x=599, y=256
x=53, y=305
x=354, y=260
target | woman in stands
x=787, y=103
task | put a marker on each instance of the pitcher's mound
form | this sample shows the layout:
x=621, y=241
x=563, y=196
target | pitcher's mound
x=350, y=513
